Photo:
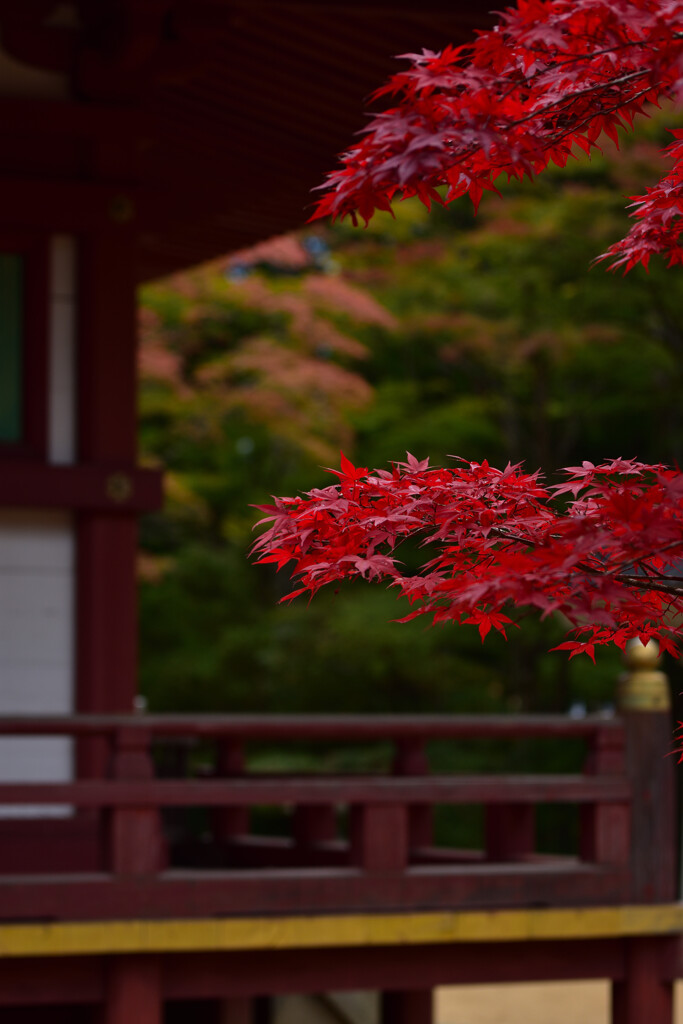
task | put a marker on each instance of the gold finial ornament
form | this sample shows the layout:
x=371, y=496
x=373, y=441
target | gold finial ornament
x=643, y=687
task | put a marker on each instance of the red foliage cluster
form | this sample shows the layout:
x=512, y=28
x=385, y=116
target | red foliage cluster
x=550, y=75
x=603, y=548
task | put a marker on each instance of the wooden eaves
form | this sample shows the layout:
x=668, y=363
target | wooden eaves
x=236, y=109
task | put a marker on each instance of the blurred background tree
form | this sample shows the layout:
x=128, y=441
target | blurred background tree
x=436, y=333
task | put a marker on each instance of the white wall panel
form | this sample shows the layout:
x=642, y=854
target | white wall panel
x=37, y=582
x=37, y=569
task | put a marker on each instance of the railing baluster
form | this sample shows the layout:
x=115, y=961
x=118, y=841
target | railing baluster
x=605, y=827
x=411, y=759
x=135, y=842
x=230, y=822
x=509, y=831
x=379, y=837
x=313, y=824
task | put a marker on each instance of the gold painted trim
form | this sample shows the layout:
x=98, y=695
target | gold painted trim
x=89, y=938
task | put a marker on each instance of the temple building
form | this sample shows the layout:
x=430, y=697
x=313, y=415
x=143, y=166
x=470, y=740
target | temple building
x=141, y=137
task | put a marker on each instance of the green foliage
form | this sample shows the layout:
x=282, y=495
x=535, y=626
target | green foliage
x=436, y=333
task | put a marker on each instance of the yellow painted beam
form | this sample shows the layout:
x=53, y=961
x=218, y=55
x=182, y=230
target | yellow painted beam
x=72, y=938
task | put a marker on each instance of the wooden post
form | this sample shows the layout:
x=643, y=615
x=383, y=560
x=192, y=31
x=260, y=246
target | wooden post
x=135, y=841
x=411, y=759
x=645, y=994
x=379, y=837
x=643, y=699
x=415, y=1006
x=605, y=836
x=313, y=824
x=509, y=831
x=230, y=822
x=133, y=991
x=107, y=425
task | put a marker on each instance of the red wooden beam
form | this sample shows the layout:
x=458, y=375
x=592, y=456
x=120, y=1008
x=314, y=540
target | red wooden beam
x=112, y=488
x=83, y=980
x=184, y=893
x=67, y=206
x=51, y=981
x=27, y=116
x=188, y=976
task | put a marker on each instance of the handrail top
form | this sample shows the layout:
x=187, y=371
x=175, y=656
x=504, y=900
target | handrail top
x=252, y=790
x=313, y=726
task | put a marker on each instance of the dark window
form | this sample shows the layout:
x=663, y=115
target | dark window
x=11, y=347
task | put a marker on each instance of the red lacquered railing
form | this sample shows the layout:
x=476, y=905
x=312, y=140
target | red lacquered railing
x=119, y=853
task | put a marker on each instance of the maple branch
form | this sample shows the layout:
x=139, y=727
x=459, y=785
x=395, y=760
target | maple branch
x=667, y=585
x=589, y=90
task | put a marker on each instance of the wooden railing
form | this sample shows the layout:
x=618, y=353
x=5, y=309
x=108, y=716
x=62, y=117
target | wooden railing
x=141, y=861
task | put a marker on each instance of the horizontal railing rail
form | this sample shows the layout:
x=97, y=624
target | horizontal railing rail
x=315, y=727
x=131, y=842
x=240, y=792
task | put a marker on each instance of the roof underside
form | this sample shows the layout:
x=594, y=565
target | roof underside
x=236, y=148
x=224, y=113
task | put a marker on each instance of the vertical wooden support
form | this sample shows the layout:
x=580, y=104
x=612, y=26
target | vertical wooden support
x=135, y=840
x=509, y=831
x=133, y=993
x=644, y=703
x=313, y=824
x=644, y=995
x=411, y=759
x=107, y=401
x=230, y=822
x=107, y=428
x=107, y=625
x=653, y=833
x=605, y=835
x=407, y=1007
x=379, y=837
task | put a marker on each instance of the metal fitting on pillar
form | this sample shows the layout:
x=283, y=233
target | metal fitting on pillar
x=643, y=687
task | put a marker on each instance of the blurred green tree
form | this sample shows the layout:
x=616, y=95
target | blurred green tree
x=432, y=333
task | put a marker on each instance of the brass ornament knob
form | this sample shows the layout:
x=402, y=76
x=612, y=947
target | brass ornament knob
x=121, y=209
x=643, y=687
x=119, y=487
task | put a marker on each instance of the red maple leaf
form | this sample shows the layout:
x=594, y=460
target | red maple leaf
x=551, y=75
x=500, y=540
